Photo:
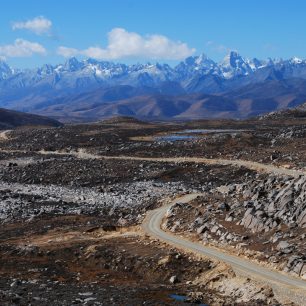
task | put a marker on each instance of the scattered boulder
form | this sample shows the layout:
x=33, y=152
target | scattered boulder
x=173, y=279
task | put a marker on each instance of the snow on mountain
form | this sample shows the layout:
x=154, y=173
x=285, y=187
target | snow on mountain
x=196, y=65
x=147, y=75
x=256, y=64
x=296, y=61
x=5, y=70
x=194, y=74
x=234, y=64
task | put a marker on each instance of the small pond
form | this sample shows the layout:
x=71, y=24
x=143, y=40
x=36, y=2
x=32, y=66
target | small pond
x=182, y=298
x=195, y=134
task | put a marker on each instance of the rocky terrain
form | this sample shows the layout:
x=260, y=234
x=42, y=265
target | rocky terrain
x=70, y=217
x=297, y=113
x=263, y=219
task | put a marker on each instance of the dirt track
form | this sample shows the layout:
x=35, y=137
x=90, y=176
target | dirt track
x=287, y=285
x=82, y=154
x=4, y=135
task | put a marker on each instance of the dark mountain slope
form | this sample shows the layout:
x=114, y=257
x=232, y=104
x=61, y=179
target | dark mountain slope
x=12, y=119
x=145, y=102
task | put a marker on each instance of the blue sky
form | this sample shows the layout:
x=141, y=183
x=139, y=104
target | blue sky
x=33, y=32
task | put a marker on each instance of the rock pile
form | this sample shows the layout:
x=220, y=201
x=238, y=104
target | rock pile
x=128, y=201
x=264, y=218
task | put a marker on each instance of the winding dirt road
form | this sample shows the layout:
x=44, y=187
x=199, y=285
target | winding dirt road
x=152, y=223
x=152, y=226
x=287, y=285
x=210, y=161
x=82, y=154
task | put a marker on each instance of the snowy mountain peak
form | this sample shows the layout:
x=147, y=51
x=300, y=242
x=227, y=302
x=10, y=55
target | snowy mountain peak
x=232, y=59
x=91, y=61
x=202, y=58
x=234, y=64
x=296, y=60
x=234, y=54
x=199, y=65
x=5, y=70
x=72, y=64
x=256, y=64
x=45, y=70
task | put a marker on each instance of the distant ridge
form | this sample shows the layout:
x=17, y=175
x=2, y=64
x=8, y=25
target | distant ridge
x=298, y=112
x=123, y=119
x=12, y=119
x=247, y=102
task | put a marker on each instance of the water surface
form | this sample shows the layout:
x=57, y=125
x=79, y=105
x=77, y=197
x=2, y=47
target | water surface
x=185, y=134
x=182, y=298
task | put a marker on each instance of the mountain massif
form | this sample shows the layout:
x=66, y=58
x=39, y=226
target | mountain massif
x=198, y=87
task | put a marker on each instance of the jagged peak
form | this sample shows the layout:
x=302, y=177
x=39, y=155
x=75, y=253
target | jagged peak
x=5, y=70
x=296, y=60
x=231, y=59
x=234, y=53
x=198, y=60
x=72, y=60
x=91, y=60
x=3, y=63
x=73, y=64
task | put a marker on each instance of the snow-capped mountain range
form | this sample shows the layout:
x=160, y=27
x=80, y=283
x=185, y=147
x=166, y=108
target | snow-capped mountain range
x=79, y=74
x=33, y=89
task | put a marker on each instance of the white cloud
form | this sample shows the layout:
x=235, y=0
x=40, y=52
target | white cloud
x=39, y=25
x=22, y=48
x=124, y=44
x=67, y=52
x=217, y=47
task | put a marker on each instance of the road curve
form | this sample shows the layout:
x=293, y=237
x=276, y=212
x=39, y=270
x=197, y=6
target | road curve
x=152, y=226
x=4, y=135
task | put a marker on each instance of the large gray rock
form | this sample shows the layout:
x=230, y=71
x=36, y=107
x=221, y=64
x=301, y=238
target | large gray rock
x=202, y=229
x=284, y=247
